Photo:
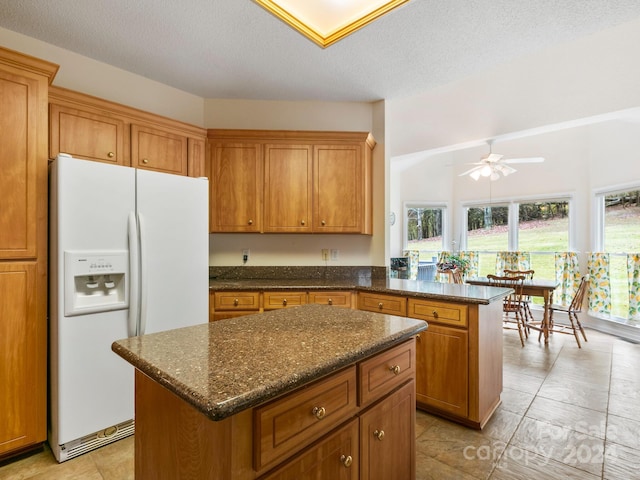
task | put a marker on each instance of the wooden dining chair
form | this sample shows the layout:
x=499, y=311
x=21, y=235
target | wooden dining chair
x=512, y=304
x=526, y=299
x=454, y=275
x=572, y=311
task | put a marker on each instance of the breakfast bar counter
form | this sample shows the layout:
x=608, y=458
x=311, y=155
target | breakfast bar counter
x=282, y=394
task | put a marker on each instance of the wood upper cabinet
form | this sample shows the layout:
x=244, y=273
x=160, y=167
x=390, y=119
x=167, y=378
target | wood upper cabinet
x=86, y=135
x=288, y=182
x=314, y=182
x=159, y=150
x=24, y=85
x=95, y=129
x=235, y=187
x=338, y=189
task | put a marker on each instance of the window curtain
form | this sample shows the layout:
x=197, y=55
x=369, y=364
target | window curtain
x=414, y=260
x=512, y=261
x=599, y=296
x=568, y=275
x=633, y=275
x=472, y=271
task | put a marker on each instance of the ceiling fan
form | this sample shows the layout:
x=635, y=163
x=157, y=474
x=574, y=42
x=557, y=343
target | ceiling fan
x=493, y=165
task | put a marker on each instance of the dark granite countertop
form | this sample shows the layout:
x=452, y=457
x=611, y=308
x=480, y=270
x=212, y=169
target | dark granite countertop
x=225, y=367
x=464, y=293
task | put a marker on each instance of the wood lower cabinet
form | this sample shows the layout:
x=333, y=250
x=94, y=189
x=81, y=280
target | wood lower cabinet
x=382, y=303
x=313, y=182
x=283, y=299
x=95, y=129
x=323, y=430
x=459, y=359
x=24, y=83
x=229, y=304
x=335, y=298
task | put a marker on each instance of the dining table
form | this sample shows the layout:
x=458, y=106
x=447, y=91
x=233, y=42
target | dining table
x=534, y=288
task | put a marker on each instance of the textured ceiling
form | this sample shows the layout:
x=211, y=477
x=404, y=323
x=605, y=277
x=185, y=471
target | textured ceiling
x=235, y=49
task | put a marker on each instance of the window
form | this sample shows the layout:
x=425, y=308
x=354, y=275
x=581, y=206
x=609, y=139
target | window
x=540, y=227
x=620, y=234
x=425, y=229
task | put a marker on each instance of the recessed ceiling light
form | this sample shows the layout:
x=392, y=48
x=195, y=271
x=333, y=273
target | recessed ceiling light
x=327, y=21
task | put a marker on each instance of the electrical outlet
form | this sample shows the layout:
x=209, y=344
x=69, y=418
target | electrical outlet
x=325, y=254
x=335, y=254
x=245, y=255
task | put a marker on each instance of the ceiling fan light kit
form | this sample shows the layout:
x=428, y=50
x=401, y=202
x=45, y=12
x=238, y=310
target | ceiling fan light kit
x=494, y=166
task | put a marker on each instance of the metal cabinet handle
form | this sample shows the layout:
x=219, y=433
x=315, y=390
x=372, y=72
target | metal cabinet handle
x=319, y=412
x=379, y=434
x=302, y=222
x=145, y=160
x=323, y=223
x=235, y=302
x=435, y=314
x=380, y=305
x=346, y=460
x=330, y=302
x=395, y=369
x=250, y=222
x=284, y=302
x=110, y=154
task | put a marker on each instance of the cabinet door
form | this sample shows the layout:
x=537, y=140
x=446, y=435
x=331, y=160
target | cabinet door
x=335, y=458
x=18, y=164
x=442, y=377
x=86, y=135
x=235, y=187
x=287, y=188
x=196, y=162
x=159, y=150
x=387, y=437
x=22, y=359
x=337, y=189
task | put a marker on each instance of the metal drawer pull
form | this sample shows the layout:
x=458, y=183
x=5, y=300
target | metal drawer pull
x=395, y=369
x=235, y=302
x=284, y=302
x=330, y=302
x=250, y=222
x=379, y=434
x=435, y=314
x=319, y=412
x=145, y=160
x=346, y=460
x=380, y=305
x=110, y=154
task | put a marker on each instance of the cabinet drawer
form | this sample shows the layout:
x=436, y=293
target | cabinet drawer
x=287, y=425
x=236, y=301
x=273, y=300
x=335, y=298
x=391, y=304
x=335, y=458
x=438, y=312
x=386, y=371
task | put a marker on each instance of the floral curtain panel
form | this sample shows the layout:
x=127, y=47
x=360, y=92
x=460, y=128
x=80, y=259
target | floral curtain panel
x=568, y=275
x=633, y=275
x=599, y=295
x=512, y=261
x=414, y=261
x=442, y=258
x=472, y=257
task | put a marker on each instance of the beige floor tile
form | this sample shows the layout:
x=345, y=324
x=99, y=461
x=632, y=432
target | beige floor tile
x=624, y=406
x=520, y=464
x=579, y=419
x=621, y=462
x=623, y=431
x=516, y=401
x=115, y=461
x=576, y=394
x=564, y=445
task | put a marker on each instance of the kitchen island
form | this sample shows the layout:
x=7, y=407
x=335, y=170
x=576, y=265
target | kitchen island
x=290, y=393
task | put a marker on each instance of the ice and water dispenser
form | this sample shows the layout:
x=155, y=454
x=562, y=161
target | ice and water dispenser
x=95, y=281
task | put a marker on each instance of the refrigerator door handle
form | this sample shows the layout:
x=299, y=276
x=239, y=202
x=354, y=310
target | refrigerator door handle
x=144, y=278
x=134, y=274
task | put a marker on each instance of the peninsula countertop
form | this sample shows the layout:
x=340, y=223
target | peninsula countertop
x=222, y=368
x=465, y=293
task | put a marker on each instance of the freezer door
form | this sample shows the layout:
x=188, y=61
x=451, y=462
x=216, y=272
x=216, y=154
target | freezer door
x=91, y=387
x=173, y=218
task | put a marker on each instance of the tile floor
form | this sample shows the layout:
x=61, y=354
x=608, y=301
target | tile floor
x=566, y=413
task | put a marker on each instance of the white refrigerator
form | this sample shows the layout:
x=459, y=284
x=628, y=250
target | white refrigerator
x=128, y=256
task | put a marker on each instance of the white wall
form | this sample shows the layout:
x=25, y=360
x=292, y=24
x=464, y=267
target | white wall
x=86, y=75
x=298, y=249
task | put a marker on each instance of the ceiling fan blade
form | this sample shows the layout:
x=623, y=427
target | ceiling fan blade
x=471, y=170
x=491, y=158
x=524, y=160
x=504, y=169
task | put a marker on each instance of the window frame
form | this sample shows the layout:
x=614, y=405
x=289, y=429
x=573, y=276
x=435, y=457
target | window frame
x=444, y=206
x=598, y=208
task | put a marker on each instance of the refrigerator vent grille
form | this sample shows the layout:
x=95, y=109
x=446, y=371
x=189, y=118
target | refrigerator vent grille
x=85, y=444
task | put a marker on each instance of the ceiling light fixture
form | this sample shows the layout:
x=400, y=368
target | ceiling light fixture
x=327, y=21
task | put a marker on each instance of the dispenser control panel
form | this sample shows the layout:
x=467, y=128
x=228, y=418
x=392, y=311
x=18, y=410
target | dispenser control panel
x=95, y=281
